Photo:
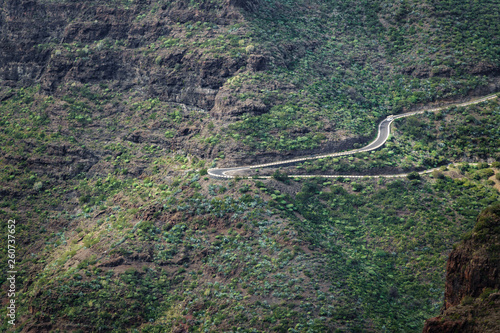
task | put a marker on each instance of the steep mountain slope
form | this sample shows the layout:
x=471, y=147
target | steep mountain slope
x=472, y=300
x=111, y=112
x=286, y=76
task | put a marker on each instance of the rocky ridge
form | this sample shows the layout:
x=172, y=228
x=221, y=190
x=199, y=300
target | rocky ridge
x=55, y=43
x=472, y=297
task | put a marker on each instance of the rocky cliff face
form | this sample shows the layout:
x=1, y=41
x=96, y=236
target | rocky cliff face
x=56, y=43
x=472, y=300
x=180, y=54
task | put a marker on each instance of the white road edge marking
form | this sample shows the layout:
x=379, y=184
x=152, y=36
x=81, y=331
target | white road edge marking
x=349, y=152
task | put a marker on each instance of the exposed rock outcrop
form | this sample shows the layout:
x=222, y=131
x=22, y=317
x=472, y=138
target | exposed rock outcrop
x=59, y=162
x=472, y=299
x=55, y=43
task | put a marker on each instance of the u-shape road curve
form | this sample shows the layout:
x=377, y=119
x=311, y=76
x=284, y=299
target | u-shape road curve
x=384, y=130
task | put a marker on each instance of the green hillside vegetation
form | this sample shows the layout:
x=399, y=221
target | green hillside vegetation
x=214, y=254
x=120, y=229
x=354, y=62
x=424, y=142
x=203, y=253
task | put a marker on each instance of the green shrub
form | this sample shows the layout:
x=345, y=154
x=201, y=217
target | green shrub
x=413, y=175
x=482, y=165
x=281, y=176
x=467, y=300
x=169, y=134
x=486, y=173
x=487, y=292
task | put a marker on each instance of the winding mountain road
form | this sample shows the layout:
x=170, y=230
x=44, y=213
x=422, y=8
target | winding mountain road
x=384, y=130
